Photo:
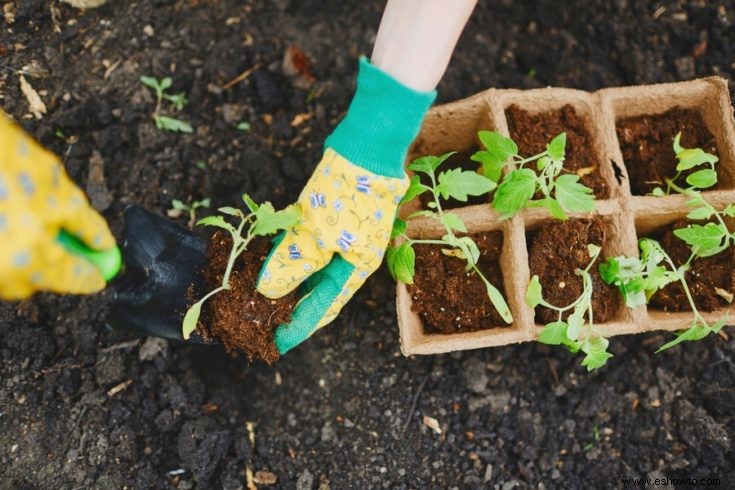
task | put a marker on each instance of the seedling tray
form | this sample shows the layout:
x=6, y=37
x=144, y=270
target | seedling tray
x=626, y=217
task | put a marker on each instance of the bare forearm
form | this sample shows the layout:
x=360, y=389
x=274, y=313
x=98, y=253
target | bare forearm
x=416, y=39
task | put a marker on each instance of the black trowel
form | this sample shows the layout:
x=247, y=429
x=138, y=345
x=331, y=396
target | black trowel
x=161, y=276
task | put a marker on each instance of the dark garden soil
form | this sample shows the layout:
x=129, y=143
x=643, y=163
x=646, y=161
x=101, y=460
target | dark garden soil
x=451, y=300
x=241, y=318
x=646, y=143
x=533, y=132
x=711, y=280
x=84, y=407
x=555, y=251
x=458, y=160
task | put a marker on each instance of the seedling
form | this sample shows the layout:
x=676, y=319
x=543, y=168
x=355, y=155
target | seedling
x=262, y=220
x=243, y=126
x=561, y=193
x=639, y=279
x=457, y=184
x=178, y=101
x=178, y=208
x=689, y=158
x=574, y=333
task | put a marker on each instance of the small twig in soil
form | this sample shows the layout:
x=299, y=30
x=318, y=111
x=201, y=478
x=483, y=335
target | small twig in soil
x=121, y=345
x=242, y=76
x=413, y=404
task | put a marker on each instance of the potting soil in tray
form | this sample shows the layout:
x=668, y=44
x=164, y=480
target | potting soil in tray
x=450, y=299
x=646, y=143
x=241, y=318
x=533, y=132
x=711, y=280
x=556, y=250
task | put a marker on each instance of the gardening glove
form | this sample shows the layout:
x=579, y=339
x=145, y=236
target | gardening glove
x=40, y=208
x=348, y=205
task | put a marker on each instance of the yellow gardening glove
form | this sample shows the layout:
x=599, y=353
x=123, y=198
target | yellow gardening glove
x=37, y=202
x=348, y=205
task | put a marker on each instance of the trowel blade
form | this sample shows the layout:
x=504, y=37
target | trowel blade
x=162, y=276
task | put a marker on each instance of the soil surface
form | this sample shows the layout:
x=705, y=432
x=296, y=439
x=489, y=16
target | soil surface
x=451, y=300
x=533, y=132
x=84, y=407
x=555, y=251
x=241, y=318
x=648, y=154
x=705, y=277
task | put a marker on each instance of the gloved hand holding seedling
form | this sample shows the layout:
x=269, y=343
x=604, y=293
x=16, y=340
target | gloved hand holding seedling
x=350, y=201
x=46, y=224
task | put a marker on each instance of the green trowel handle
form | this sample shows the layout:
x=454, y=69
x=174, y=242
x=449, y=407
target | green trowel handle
x=108, y=262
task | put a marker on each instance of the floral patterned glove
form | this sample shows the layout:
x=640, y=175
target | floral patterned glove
x=348, y=205
x=42, y=216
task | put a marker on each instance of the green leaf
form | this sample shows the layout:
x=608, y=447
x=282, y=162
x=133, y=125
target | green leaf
x=729, y=210
x=554, y=333
x=658, y=192
x=705, y=239
x=252, y=205
x=459, y=184
x=595, y=349
x=593, y=250
x=176, y=204
x=149, y=82
x=178, y=100
x=534, y=294
x=399, y=228
x=702, y=179
x=171, y=124
x=268, y=221
x=191, y=319
x=514, y=192
x=217, y=221
x=467, y=245
x=498, y=146
x=243, y=126
x=556, y=148
x=677, y=143
x=543, y=162
x=498, y=301
x=576, y=322
x=424, y=213
x=555, y=208
x=429, y=164
x=230, y=210
x=166, y=83
x=572, y=195
x=492, y=168
x=415, y=188
x=690, y=158
x=695, y=332
x=704, y=212
x=401, y=262
x=453, y=222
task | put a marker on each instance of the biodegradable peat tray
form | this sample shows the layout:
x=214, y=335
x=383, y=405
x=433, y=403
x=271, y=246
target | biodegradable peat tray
x=608, y=125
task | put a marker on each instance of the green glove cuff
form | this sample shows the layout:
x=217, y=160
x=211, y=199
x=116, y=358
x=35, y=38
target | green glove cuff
x=384, y=118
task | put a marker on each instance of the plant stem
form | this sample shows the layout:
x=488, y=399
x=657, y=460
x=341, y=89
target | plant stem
x=685, y=286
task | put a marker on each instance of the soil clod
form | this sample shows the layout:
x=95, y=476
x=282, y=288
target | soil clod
x=241, y=318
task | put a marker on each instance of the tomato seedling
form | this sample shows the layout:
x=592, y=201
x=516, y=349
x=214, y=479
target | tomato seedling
x=178, y=101
x=261, y=220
